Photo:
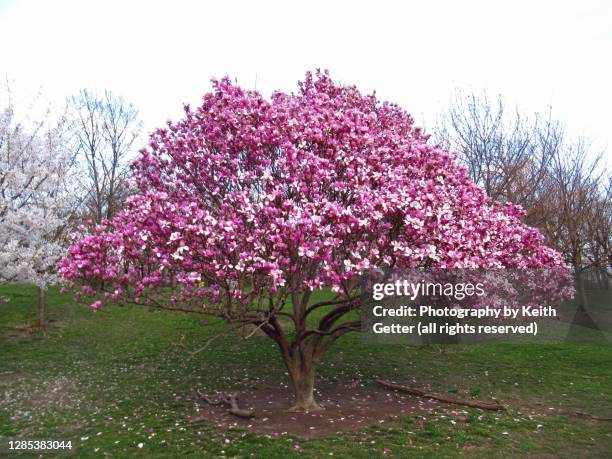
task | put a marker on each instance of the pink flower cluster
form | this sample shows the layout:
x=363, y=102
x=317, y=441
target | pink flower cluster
x=303, y=191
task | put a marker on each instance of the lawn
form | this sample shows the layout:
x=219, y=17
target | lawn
x=120, y=382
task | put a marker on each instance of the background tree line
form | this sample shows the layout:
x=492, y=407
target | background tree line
x=59, y=169
x=562, y=183
x=71, y=166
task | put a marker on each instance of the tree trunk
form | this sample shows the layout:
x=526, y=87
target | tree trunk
x=581, y=290
x=605, y=278
x=303, y=389
x=41, y=307
x=302, y=370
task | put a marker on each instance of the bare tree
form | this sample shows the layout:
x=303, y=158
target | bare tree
x=600, y=234
x=561, y=184
x=505, y=152
x=574, y=205
x=106, y=128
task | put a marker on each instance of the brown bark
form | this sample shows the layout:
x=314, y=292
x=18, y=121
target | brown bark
x=302, y=373
x=580, y=287
x=597, y=418
x=441, y=398
x=303, y=351
x=231, y=401
x=41, y=307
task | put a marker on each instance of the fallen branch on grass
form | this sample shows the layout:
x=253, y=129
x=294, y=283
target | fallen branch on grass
x=588, y=415
x=229, y=400
x=441, y=398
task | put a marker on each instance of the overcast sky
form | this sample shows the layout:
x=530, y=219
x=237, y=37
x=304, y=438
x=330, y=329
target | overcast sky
x=161, y=54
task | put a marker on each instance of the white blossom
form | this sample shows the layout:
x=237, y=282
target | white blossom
x=33, y=174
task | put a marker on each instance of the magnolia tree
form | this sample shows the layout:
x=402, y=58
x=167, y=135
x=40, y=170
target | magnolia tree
x=33, y=168
x=247, y=206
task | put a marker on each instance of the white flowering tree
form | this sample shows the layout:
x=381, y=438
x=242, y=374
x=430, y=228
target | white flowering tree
x=34, y=170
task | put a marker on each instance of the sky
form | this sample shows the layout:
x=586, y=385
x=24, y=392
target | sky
x=159, y=55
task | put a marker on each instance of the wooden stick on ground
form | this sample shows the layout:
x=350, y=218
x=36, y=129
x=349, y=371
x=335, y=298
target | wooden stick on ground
x=441, y=398
x=588, y=415
x=231, y=401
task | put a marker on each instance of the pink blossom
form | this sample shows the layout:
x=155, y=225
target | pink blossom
x=304, y=191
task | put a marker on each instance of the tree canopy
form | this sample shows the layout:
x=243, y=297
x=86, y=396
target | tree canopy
x=247, y=205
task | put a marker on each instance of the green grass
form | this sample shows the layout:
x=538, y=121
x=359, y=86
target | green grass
x=112, y=379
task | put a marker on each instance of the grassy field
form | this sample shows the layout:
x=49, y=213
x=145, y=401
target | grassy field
x=121, y=377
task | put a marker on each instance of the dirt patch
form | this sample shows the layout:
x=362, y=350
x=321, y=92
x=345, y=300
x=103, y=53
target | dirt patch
x=347, y=408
